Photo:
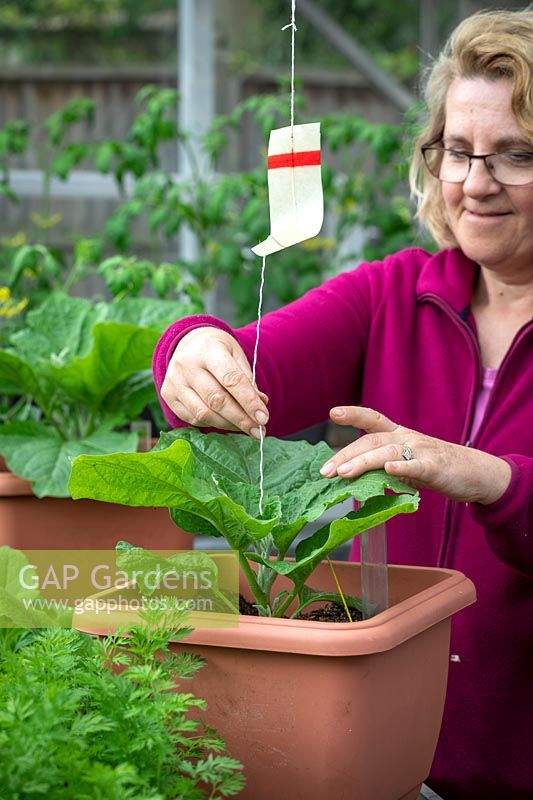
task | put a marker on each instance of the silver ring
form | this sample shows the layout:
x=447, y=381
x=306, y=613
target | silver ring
x=407, y=453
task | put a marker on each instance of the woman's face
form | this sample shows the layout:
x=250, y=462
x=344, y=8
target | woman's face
x=493, y=224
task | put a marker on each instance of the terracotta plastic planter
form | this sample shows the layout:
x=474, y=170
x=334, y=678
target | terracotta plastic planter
x=51, y=523
x=335, y=711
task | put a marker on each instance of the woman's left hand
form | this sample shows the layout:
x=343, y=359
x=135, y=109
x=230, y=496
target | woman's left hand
x=461, y=473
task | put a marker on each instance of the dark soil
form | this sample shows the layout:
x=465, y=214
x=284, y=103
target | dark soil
x=332, y=612
x=246, y=608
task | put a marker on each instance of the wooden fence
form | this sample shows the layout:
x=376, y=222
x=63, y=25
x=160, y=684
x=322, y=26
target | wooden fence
x=33, y=93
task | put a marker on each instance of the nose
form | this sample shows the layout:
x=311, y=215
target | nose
x=479, y=182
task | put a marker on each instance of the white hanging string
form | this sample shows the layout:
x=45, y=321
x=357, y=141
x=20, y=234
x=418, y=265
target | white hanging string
x=254, y=366
x=292, y=25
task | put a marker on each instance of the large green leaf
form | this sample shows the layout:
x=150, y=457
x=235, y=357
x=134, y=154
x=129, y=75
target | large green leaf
x=11, y=564
x=19, y=605
x=86, y=366
x=58, y=331
x=91, y=351
x=19, y=376
x=214, y=478
x=118, y=350
x=174, y=478
x=126, y=401
x=292, y=474
x=142, y=479
x=147, y=312
x=193, y=523
x=62, y=328
x=41, y=455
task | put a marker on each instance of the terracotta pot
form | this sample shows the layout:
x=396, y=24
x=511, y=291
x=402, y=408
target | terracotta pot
x=56, y=523
x=335, y=711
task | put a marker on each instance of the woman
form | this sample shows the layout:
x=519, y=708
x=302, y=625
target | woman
x=432, y=356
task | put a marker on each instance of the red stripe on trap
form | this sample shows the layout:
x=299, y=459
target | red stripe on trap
x=305, y=158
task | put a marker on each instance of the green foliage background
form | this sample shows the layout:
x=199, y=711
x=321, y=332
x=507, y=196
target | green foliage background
x=228, y=213
x=388, y=29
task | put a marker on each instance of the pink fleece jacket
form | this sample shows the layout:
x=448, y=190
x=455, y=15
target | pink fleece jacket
x=397, y=336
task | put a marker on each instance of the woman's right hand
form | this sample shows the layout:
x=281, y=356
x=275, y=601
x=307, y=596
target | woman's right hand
x=208, y=383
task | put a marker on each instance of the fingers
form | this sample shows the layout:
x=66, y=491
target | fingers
x=208, y=404
x=209, y=384
x=192, y=408
x=367, y=419
x=414, y=472
x=361, y=446
x=463, y=474
x=363, y=461
x=236, y=398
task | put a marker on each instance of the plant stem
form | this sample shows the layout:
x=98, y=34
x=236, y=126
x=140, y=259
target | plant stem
x=258, y=593
x=77, y=272
x=87, y=423
x=286, y=603
x=13, y=410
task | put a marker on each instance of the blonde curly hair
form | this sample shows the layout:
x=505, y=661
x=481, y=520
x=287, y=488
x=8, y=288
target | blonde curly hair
x=491, y=45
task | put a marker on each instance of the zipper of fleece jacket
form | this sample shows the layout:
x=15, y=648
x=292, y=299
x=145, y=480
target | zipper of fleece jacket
x=450, y=506
x=455, y=507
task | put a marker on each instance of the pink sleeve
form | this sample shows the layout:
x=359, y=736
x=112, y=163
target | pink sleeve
x=310, y=351
x=508, y=522
x=166, y=346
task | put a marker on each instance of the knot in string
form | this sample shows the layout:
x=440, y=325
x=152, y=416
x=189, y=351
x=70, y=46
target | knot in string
x=292, y=23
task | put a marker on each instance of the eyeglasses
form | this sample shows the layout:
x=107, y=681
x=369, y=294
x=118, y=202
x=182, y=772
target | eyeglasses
x=453, y=166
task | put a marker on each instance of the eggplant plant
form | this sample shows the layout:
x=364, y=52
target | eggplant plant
x=75, y=376
x=210, y=484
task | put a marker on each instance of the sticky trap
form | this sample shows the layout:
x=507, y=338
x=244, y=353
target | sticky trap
x=294, y=187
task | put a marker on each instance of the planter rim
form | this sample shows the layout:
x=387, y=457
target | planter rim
x=450, y=592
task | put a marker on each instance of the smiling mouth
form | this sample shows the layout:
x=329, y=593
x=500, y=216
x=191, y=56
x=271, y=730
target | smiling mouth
x=486, y=214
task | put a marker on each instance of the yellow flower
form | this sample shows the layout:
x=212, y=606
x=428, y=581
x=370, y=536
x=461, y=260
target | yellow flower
x=13, y=241
x=318, y=243
x=44, y=223
x=8, y=306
